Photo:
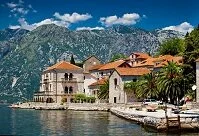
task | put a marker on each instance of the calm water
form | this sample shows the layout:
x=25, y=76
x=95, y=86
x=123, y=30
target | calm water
x=73, y=123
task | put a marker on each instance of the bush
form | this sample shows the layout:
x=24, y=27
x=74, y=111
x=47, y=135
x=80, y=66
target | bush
x=83, y=98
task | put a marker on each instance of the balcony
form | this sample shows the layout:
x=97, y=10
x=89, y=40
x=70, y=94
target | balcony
x=45, y=81
x=69, y=80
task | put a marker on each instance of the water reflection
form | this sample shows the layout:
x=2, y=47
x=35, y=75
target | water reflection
x=67, y=123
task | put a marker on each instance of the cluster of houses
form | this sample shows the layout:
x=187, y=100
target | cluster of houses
x=61, y=81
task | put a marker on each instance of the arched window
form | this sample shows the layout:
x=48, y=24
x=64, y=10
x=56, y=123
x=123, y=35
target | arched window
x=49, y=100
x=70, y=76
x=66, y=89
x=66, y=76
x=71, y=90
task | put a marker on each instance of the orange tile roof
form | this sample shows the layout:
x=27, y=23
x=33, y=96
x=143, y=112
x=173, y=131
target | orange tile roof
x=112, y=65
x=63, y=65
x=147, y=62
x=132, y=71
x=162, y=61
x=96, y=67
x=141, y=55
x=99, y=82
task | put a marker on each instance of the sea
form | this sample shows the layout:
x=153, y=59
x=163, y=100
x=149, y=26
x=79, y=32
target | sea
x=26, y=122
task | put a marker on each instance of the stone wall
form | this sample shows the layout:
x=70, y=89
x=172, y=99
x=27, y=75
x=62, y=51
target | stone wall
x=160, y=124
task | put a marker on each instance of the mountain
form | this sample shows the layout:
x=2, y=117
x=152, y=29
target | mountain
x=9, y=36
x=163, y=35
x=31, y=52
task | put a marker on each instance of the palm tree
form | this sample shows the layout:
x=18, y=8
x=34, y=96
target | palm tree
x=170, y=82
x=103, y=92
x=130, y=87
x=147, y=86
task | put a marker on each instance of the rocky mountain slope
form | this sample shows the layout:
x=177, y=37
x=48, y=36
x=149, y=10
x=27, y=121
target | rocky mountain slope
x=31, y=52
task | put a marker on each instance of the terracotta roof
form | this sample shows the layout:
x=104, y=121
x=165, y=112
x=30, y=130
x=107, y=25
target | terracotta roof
x=112, y=65
x=63, y=65
x=147, y=62
x=132, y=71
x=141, y=55
x=99, y=82
x=161, y=60
x=96, y=67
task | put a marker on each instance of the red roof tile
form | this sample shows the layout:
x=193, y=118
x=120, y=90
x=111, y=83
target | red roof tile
x=132, y=71
x=63, y=65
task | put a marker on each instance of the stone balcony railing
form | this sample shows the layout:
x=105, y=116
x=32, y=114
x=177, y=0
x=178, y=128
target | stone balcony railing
x=66, y=80
x=46, y=80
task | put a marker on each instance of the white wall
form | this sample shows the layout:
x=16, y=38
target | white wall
x=89, y=79
x=116, y=91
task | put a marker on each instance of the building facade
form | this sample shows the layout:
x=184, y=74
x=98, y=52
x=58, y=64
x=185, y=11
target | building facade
x=59, y=83
x=118, y=78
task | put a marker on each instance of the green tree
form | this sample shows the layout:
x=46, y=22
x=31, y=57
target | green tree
x=72, y=60
x=147, y=86
x=103, y=92
x=117, y=56
x=173, y=47
x=130, y=87
x=190, y=55
x=170, y=82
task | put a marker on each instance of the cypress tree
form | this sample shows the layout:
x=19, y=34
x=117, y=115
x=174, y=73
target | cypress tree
x=72, y=60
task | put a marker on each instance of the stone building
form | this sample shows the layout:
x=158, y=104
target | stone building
x=89, y=78
x=90, y=62
x=117, y=80
x=59, y=83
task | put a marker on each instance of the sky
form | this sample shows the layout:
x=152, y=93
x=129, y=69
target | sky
x=180, y=15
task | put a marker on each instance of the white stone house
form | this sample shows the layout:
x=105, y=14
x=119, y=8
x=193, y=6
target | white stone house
x=59, y=83
x=117, y=80
x=89, y=78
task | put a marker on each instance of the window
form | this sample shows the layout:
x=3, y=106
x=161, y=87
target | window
x=84, y=77
x=66, y=89
x=115, y=81
x=102, y=73
x=66, y=76
x=134, y=80
x=84, y=90
x=70, y=89
x=50, y=87
x=70, y=76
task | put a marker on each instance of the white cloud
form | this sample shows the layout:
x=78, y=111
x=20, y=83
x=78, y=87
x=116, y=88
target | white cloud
x=19, y=9
x=89, y=28
x=14, y=27
x=73, y=18
x=25, y=25
x=183, y=27
x=59, y=20
x=126, y=19
x=12, y=5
